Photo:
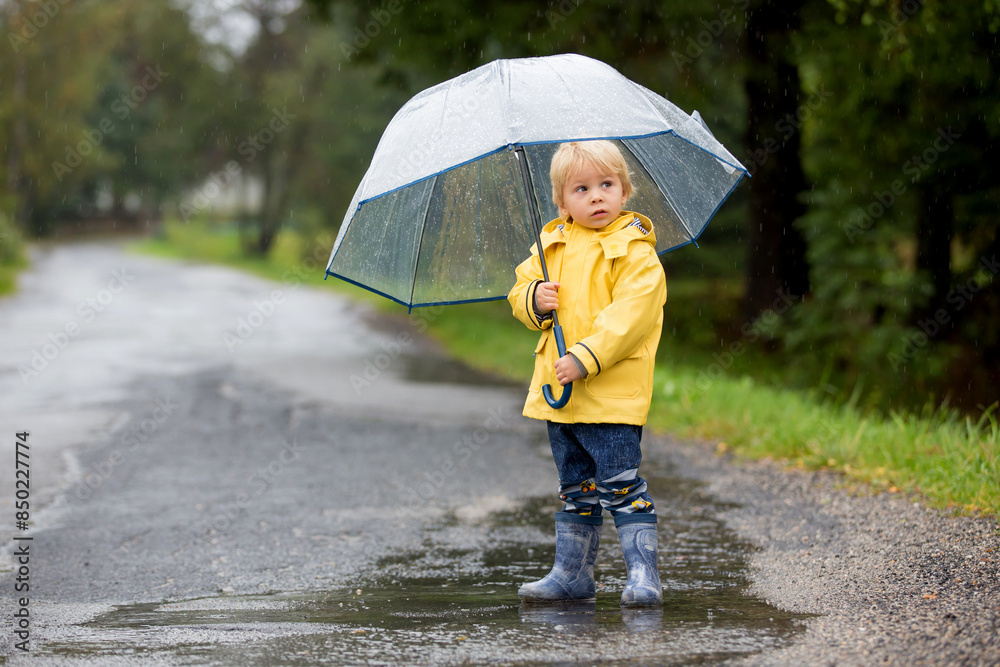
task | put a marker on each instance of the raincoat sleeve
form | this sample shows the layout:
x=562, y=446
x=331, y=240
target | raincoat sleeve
x=638, y=295
x=522, y=296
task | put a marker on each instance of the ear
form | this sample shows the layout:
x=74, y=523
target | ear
x=563, y=212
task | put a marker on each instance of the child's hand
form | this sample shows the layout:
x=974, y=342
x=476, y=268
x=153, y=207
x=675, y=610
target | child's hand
x=566, y=370
x=547, y=297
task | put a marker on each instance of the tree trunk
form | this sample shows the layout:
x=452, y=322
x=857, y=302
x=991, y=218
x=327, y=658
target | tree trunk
x=777, y=264
x=19, y=135
x=268, y=231
x=280, y=171
x=935, y=222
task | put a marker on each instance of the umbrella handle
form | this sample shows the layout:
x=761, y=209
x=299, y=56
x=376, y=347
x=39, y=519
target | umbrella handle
x=567, y=389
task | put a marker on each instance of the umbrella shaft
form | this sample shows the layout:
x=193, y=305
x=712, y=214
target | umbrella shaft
x=536, y=223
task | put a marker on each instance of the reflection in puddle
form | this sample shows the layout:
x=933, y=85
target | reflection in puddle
x=443, y=605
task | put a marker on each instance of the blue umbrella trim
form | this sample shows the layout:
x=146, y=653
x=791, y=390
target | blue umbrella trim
x=712, y=215
x=410, y=306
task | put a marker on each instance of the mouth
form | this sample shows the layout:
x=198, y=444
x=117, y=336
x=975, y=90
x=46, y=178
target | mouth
x=599, y=213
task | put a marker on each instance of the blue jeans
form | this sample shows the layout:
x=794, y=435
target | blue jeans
x=598, y=468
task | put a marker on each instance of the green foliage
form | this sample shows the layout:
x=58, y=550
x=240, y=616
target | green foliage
x=912, y=112
x=346, y=115
x=97, y=105
x=951, y=459
x=11, y=254
x=42, y=83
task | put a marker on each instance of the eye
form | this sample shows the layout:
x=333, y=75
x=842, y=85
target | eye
x=580, y=188
x=607, y=184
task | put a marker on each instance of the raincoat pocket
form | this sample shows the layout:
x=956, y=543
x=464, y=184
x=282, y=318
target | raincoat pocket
x=629, y=378
x=536, y=377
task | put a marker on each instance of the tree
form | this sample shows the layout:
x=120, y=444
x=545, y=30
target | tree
x=114, y=98
x=775, y=99
x=166, y=99
x=57, y=64
x=899, y=222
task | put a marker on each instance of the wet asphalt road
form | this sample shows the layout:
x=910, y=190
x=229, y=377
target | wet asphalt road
x=227, y=470
x=203, y=437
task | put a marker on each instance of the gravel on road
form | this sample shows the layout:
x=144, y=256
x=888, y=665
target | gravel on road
x=893, y=581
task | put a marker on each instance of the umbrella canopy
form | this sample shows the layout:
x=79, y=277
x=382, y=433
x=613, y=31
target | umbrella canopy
x=442, y=214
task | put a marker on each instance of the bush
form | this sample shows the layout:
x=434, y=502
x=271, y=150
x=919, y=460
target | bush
x=11, y=254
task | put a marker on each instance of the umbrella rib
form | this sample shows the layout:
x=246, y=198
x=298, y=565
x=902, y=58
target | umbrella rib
x=385, y=230
x=666, y=195
x=649, y=103
x=501, y=104
x=444, y=105
x=479, y=227
x=420, y=243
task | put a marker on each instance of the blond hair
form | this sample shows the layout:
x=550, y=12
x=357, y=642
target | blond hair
x=601, y=153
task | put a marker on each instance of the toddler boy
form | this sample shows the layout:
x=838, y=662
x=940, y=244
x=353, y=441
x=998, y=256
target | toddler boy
x=609, y=289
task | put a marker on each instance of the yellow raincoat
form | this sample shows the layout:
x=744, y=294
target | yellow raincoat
x=611, y=297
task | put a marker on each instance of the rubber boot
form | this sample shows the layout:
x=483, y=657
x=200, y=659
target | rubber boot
x=572, y=576
x=642, y=589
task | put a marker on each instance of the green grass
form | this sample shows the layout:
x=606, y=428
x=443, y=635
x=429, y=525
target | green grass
x=9, y=270
x=13, y=257
x=8, y=279
x=951, y=460
x=292, y=259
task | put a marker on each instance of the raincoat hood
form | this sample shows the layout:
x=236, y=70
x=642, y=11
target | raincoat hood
x=614, y=237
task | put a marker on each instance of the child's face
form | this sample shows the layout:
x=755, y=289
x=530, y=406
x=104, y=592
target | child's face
x=593, y=198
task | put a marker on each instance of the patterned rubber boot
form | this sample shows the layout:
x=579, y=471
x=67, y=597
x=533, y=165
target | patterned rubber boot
x=572, y=576
x=642, y=589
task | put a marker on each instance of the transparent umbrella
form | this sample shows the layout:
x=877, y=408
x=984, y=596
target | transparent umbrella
x=456, y=191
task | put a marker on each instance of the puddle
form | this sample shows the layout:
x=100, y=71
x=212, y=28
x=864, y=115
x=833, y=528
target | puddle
x=442, y=605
